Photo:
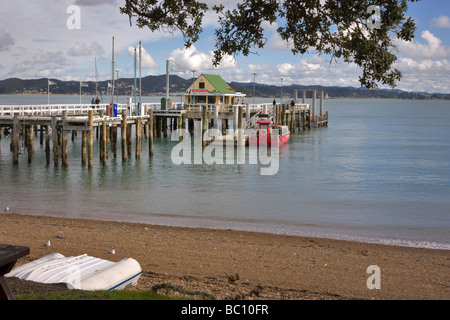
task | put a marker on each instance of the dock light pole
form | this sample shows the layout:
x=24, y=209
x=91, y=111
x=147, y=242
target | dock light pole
x=254, y=86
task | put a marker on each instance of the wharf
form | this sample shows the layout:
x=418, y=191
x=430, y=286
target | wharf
x=55, y=122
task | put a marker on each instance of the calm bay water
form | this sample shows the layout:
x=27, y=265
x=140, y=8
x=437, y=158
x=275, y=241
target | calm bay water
x=380, y=172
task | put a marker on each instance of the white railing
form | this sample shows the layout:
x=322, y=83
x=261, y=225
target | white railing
x=79, y=109
x=72, y=109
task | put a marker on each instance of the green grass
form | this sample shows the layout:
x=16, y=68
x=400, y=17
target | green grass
x=95, y=295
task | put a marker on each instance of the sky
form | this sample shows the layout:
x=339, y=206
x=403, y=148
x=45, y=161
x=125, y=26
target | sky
x=68, y=39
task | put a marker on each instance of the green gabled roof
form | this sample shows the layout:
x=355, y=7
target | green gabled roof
x=220, y=84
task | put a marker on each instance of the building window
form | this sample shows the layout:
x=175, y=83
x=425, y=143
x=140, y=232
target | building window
x=201, y=85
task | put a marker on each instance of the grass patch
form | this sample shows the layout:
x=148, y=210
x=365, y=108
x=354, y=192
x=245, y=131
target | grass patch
x=95, y=295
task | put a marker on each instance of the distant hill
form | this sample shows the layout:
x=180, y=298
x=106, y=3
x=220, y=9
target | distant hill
x=332, y=92
x=156, y=85
x=151, y=85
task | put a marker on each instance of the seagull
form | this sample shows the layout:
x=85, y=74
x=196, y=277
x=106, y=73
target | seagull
x=111, y=252
x=47, y=244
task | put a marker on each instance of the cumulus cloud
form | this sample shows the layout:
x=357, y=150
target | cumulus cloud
x=421, y=75
x=50, y=58
x=6, y=40
x=432, y=50
x=80, y=49
x=441, y=22
x=192, y=59
x=50, y=73
x=95, y=2
x=22, y=66
x=276, y=43
x=147, y=60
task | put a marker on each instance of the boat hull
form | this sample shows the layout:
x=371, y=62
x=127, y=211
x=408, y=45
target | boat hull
x=80, y=272
x=270, y=140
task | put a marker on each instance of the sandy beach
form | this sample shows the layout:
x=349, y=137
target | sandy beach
x=225, y=264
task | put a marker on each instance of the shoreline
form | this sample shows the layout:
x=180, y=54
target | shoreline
x=263, y=227
x=269, y=266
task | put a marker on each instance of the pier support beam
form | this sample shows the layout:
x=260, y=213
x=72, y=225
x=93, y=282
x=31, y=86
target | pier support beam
x=180, y=127
x=83, y=147
x=150, y=132
x=30, y=143
x=321, y=105
x=113, y=138
x=41, y=135
x=138, y=138
x=103, y=143
x=124, y=135
x=216, y=117
x=129, y=139
x=15, y=140
x=313, y=117
x=91, y=140
x=55, y=141
x=65, y=142
x=204, y=124
x=240, y=136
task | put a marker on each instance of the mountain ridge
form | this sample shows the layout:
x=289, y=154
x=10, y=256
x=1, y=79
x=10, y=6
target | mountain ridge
x=155, y=85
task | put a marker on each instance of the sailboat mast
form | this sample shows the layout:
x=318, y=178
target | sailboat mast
x=112, y=73
x=140, y=75
x=134, y=87
x=96, y=78
x=167, y=80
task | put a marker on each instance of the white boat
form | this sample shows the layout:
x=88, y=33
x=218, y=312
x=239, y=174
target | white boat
x=80, y=272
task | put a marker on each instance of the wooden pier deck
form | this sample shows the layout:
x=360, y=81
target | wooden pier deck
x=54, y=123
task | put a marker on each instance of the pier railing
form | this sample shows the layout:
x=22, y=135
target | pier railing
x=81, y=109
x=72, y=109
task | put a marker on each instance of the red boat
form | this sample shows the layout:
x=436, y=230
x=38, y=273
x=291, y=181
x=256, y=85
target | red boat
x=269, y=134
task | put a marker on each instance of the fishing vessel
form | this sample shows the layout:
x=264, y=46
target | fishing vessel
x=269, y=134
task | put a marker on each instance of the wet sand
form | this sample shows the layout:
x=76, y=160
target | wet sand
x=225, y=264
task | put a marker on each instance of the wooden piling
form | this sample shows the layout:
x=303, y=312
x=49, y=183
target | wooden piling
x=304, y=119
x=292, y=121
x=158, y=126
x=41, y=135
x=15, y=140
x=129, y=139
x=138, y=138
x=103, y=143
x=55, y=141
x=83, y=147
x=204, y=125
x=180, y=127
x=47, y=144
x=65, y=142
x=113, y=138
x=91, y=140
x=150, y=132
x=240, y=136
x=146, y=126
x=30, y=143
x=164, y=126
x=183, y=124
x=124, y=135
x=224, y=126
